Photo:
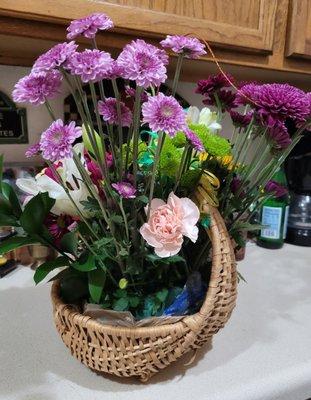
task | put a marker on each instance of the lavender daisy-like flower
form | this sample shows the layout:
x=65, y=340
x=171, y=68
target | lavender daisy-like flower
x=125, y=189
x=56, y=142
x=56, y=57
x=275, y=188
x=108, y=109
x=241, y=120
x=190, y=47
x=36, y=88
x=143, y=63
x=90, y=65
x=131, y=92
x=279, y=136
x=164, y=113
x=33, y=150
x=194, y=140
x=88, y=26
x=207, y=87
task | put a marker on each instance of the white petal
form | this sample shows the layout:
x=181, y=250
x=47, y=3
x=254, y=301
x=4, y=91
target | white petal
x=193, y=115
x=28, y=185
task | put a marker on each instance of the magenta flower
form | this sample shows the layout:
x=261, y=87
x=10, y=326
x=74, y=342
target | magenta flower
x=207, y=87
x=248, y=93
x=90, y=65
x=125, y=189
x=36, y=88
x=88, y=26
x=194, y=140
x=33, y=150
x=56, y=57
x=190, y=47
x=236, y=187
x=279, y=136
x=164, y=113
x=115, y=70
x=143, y=63
x=56, y=142
x=241, y=120
x=275, y=188
x=131, y=92
x=58, y=226
x=108, y=109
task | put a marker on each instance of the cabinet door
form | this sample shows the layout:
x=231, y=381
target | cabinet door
x=299, y=29
x=246, y=25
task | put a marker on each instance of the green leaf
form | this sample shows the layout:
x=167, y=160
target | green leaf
x=134, y=301
x=35, y=212
x=9, y=193
x=123, y=252
x=87, y=142
x=117, y=219
x=44, y=269
x=121, y=304
x=143, y=199
x=15, y=242
x=8, y=220
x=69, y=243
x=120, y=293
x=97, y=280
x=162, y=295
x=85, y=263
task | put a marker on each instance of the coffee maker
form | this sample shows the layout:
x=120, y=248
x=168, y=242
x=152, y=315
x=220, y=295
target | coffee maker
x=298, y=173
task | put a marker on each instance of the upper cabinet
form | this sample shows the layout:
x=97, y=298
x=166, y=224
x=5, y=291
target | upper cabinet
x=299, y=29
x=269, y=34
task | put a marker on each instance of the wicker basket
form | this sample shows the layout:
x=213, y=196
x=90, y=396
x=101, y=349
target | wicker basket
x=143, y=351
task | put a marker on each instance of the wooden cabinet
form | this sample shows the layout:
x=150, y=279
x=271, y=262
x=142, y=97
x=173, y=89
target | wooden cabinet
x=299, y=29
x=267, y=34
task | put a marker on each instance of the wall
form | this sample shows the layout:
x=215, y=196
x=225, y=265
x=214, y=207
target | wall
x=37, y=117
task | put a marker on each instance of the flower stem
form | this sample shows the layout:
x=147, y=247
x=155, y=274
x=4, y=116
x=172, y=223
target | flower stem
x=120, y=132
x=177, y=73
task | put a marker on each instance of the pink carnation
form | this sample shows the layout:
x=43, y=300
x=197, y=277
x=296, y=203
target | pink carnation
x=88, y=26
x=169, y=223
x=108, y=109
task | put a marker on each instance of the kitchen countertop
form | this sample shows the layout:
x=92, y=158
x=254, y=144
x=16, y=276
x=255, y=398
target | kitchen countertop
x=263, y=353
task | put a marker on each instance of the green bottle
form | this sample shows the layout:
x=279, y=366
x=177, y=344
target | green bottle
x=274, y=214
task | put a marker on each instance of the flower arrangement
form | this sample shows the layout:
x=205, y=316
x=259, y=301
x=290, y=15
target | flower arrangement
x=119, y=199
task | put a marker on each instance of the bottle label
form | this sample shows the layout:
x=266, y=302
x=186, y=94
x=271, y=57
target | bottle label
x=272, y=217
x=285, y=222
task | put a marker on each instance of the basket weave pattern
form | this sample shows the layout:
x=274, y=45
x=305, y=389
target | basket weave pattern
x=143, y=351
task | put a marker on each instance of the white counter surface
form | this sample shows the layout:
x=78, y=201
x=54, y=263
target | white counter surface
x=263, y=353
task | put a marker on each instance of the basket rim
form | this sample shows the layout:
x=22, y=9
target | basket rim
x=193, y=321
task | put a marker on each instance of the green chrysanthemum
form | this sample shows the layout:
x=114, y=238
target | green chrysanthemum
x=190, y=179
x=142, y=147
x=169, y=159
x=179, y=140
x=214, y=144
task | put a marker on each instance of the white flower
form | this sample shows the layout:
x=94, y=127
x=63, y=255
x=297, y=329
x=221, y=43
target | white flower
x=204, y=117
x=43, y=183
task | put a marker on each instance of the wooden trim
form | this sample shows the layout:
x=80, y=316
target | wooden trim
x=151, y=23
x=297, y=29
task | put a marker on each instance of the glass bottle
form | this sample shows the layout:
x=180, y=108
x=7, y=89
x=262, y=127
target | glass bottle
x=274, y=214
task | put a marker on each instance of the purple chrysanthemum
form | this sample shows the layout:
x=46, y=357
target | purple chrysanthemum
x=248, y=93
x=143, y=63
x=125, y=189
x=131, y=92
x=241, y=120
x=56, y=142
x=194, y=140
x=279, y=136
x=56, y=57
x=207, y=87
x=33, y=150
x=189, y=46
x=279, y=102
x=36, y=88
x=88, y=26
x=236, y=187
x=115, y=70
x=90, y=65
x=164, y=113
x=225, y=97
x=108, y=109
x=275, y=188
